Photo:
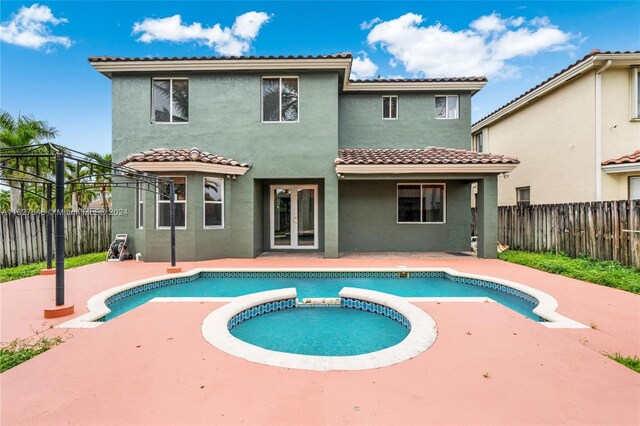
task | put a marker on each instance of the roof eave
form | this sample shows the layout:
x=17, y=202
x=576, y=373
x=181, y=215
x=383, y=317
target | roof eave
x=187, y=166
x=424, y=168
x=621, y=168
x=406, y=86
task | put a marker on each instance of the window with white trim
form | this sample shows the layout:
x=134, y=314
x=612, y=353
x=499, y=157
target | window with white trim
x=389, y=107
x=447, y=107
x=634, y=187
x=523, y=195
x=422, y=203
x=139, y=206
x=635, y=93
x=170, y=100
x=163, y=203
x=213, y=197
x=280, y=99
x=478, y=144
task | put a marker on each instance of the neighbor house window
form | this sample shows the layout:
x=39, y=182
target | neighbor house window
x=139, y=206
x=523, y=195
x=635, y=93
x=164, y=202
x=447, y=106
x=421, y=203
x=478, y=144
x=213, y=202
x=389, y=107
x=280, y=99
x=170, y=100
x=634, y=187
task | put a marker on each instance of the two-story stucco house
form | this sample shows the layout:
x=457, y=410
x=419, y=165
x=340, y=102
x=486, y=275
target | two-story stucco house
x=577, y=134
x=288, y=154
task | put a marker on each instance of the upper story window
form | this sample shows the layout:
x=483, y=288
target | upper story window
x=170, y=100
x=213, y=202
x=389, y=107
x=421, y=203
x=163, y=203
x=523, y=195
x=280, y=99
x=447, y=107
x=478, y=144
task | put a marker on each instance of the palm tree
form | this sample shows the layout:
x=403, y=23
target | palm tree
x=21, y=131
x=103, y=176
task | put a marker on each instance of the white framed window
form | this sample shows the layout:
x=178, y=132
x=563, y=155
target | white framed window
x=280, y=100
x=422, y=203
x=170, y=100
x=634, y=187
x=447, y=107
x=478, y=143
x=635, y=93
x=213, y=202
x=523, y=195
x=139, y=206
x=390, y=107
x=163, y=203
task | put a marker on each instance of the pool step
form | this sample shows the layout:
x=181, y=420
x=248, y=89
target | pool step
x=319, y=302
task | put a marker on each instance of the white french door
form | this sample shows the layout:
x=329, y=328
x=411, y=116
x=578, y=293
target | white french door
x=294, y=216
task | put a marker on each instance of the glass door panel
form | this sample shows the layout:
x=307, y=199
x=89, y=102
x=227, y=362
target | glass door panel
x=305, y=217
x=282, y=217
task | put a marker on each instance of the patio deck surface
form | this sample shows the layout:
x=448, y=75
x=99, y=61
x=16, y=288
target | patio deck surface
x=152, y=365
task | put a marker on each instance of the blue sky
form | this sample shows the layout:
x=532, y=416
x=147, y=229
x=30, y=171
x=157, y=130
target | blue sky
x=44, y=50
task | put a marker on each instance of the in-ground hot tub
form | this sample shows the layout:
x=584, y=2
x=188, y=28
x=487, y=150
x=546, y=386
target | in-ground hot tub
x=368, y=329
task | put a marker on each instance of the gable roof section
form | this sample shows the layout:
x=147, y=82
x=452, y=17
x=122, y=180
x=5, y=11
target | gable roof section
x=428, y=160
x=589, y=61
x=341, y=62
x=171, y=160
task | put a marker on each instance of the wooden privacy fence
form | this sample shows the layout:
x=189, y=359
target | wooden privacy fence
x=607, y=230
x=23, y=236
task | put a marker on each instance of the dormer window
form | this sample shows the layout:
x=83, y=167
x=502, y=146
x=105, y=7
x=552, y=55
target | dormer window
x=279, y=99
x=170, y=100
x=389, y=107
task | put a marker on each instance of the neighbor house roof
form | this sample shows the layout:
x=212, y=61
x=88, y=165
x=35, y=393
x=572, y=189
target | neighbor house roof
x=587, y=62
x=108, y=65
x=163, y=159
x=427, y=160
x=634, y=157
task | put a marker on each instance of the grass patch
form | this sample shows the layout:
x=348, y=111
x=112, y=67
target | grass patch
x=630, y=362
x=604, y=272
x=33, y=269
x=20, y=350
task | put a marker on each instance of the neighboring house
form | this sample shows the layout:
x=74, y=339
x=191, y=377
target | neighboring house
x=322, y=163
x=567, y=132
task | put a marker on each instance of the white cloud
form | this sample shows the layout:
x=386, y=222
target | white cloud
x=366, y=25
x=232, y=41
x=483, y=49
x=31, y=27
x=363, y=68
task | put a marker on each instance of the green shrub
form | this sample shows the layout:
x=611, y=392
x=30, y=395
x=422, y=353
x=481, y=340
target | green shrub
x=20, y=350
x=33, y=269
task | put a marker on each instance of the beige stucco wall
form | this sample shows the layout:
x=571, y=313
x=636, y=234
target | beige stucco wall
x=553, y=137
x=620, y=135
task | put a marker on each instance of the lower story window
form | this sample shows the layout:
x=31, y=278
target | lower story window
x=421, y=203
x=523, y=195
x=180, y=202
x=634, y=187
x=213, y=202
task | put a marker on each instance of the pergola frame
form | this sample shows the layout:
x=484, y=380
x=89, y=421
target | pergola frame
x=12, y=176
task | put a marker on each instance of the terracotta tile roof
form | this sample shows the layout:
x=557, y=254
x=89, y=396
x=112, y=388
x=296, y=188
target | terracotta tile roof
x=420, y=80
x=634, y=157
x=590, y=54
x=428, y=155
x=193, y=154
x=346, y=55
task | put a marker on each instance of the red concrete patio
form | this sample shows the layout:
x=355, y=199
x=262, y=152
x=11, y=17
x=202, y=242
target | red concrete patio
x=152, y=365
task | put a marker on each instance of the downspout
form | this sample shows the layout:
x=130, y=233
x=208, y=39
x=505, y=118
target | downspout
x=598, y=117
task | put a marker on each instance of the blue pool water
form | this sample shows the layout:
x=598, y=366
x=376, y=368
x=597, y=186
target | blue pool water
x=325, y=331
x=322, y=287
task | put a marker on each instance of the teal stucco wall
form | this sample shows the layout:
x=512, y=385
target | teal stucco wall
x=361, y=124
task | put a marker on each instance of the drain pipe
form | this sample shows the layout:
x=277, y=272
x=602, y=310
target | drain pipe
x=598, y=126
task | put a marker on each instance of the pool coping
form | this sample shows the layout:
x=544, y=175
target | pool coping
x=422, y=334
x=546, y=308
